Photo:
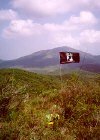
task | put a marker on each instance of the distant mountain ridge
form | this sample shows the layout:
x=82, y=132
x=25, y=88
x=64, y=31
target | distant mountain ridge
x=50, y=58
x=1, y=60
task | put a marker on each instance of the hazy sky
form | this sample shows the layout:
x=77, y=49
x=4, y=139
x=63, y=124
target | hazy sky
x=27, y=26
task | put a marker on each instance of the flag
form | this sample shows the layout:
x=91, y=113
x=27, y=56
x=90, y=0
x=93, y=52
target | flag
x=69, y=57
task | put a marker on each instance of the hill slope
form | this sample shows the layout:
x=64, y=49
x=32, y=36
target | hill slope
x=50, y=58
x=19, y=81
x=32, y=106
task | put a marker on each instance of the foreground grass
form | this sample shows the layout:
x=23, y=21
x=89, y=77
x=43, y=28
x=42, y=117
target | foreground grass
x=71, y=112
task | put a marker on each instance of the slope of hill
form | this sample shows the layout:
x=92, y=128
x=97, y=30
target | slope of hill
x=50, y=59
x=97, y=59
x=34, y=107
x=20, y=81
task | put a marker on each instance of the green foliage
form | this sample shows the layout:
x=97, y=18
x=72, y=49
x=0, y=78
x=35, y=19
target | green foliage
x=19, y=81
x=54, y=106
x=48, y=118
x=11, y=80
x=33, y=107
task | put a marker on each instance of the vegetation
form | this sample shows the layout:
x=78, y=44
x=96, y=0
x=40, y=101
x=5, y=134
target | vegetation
x=40, y=107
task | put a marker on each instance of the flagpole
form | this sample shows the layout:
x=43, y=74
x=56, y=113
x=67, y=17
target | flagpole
x=61, y=74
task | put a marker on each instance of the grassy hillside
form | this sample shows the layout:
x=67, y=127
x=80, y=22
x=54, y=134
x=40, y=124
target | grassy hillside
x=39, y=107
x=19, y=81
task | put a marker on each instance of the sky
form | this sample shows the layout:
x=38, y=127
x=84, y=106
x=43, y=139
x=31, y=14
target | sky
x=27, y=26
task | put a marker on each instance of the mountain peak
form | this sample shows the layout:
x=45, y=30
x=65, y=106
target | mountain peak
x=50, y=58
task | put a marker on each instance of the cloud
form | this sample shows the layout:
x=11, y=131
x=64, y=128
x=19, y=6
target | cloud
x=28, y=27
x=8, y=14
x=73, y=32
x=64, y=39
x=46, y=8
x=85, y=20
x=42, y=8
x=21, y=28
x=90, y=36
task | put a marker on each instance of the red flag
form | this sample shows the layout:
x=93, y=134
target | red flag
x=69, y=57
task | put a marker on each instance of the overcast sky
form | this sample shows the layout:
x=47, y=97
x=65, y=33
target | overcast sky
x=27, y=26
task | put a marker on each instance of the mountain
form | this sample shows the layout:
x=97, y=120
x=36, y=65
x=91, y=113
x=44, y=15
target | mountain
x=46, y=59
x=1, y=60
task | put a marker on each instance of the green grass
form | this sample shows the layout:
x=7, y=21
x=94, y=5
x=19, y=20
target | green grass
x=36, y=107
x=21, y=81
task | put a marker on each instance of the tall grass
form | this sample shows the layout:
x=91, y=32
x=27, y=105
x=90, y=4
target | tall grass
x=70, y=113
